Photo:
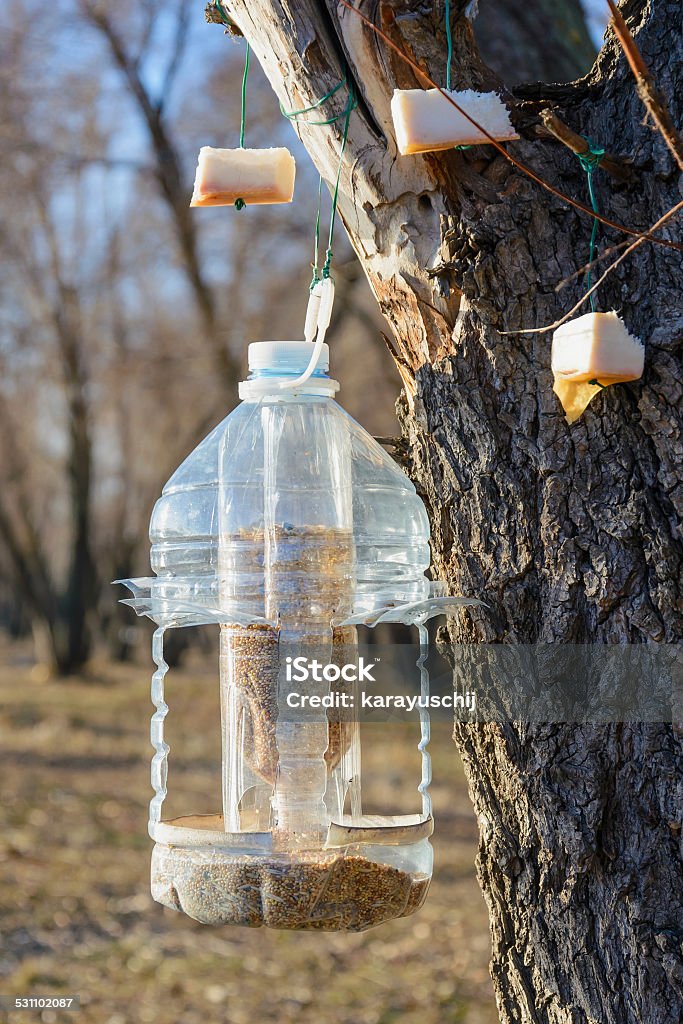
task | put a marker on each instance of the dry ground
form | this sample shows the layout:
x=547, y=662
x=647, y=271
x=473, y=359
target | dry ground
x=76, y=915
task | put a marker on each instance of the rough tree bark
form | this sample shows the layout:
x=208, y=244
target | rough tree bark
x=569, y=534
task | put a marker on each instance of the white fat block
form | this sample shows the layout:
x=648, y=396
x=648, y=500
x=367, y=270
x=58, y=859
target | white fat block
x=258, y=176
x=594, y=347
x=425, y=121
x=597, y=346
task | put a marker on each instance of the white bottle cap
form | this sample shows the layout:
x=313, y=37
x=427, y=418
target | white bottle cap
x=286, y=357
x=285, y=363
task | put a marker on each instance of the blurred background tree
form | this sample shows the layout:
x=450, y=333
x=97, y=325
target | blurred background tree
x=126, y=315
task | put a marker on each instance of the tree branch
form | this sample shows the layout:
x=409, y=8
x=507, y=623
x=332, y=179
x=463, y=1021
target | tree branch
x=614, y=165
x=20, y=535
x=653, y=100
x=169, y=175
x=501, y=148
x=620, y=259
x=178, y=50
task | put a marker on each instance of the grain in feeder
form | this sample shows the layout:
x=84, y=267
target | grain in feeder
x=288, y=527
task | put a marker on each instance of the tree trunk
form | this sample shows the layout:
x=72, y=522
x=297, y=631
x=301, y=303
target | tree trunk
x=61, y=611
x=569, y=534
x=71, y=632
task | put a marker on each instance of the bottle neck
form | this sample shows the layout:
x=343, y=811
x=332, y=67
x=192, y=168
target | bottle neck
x=265, y=383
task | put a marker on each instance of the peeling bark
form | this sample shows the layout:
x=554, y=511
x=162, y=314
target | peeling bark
x=568, y=534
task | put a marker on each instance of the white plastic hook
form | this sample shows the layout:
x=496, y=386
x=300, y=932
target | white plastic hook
x=318, y=316
x=326, y=304
x=312, y=312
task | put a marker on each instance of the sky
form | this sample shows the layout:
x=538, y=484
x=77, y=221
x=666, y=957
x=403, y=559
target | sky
x=597, y=15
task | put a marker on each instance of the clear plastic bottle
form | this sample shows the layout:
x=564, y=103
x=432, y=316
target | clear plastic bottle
x=286, y=511
x=287, y=522
x=390, y=526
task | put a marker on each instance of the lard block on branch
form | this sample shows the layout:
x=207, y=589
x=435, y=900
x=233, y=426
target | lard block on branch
x=590, y=353
x=425, y=121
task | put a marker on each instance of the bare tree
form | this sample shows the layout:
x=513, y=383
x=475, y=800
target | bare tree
x=121, y=308
x=76, y=395
x=168, y=165
x=568, y=534
x=60, y=613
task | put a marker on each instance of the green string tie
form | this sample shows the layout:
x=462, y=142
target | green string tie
x=449, y=43
x=223, y=16
x=295, y=115
x=590, y=162
x=299, y=115
x=240, y=203
x=350, y=107
x=316, y=242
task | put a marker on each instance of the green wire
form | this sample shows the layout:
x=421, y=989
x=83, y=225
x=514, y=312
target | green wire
x=449, y=42
x=224, y=17
x=244, y=94
x=590, y=161
x=350, y=106
x=240, y=203
x=594, y=235
x=316, y=243
x=295, y=115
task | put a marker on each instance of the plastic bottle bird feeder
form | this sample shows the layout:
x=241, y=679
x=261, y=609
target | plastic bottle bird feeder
x=288, y=526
